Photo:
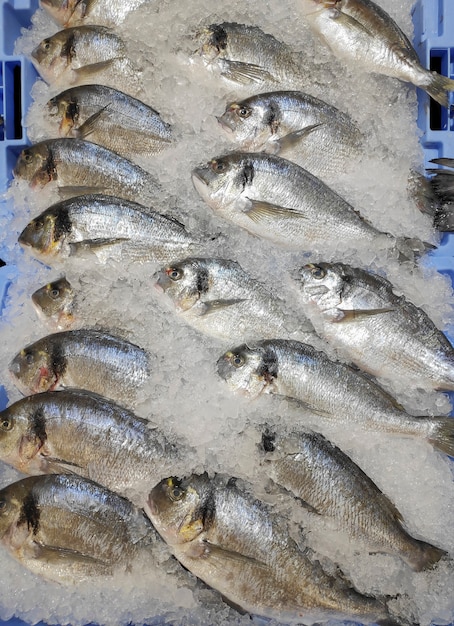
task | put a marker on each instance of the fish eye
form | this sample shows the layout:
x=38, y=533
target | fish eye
x=237, y=360
x=54, y=293
x=2, y=505
x=38, y=225
x=29, y=358
x=244, y=112
x=176, y=493
x=27, y=156
x=218, y=166
x=318, y=272
x=46, y=44
x=6, y=424
x=174, y=273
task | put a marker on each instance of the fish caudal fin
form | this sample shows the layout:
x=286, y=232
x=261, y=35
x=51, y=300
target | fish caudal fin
x=425, y=557
x=438, y=88
x=442, y=435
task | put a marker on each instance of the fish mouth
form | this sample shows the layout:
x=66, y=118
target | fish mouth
x=225, y=124
x=152, y=506
x=201, y=174
x=161, y=281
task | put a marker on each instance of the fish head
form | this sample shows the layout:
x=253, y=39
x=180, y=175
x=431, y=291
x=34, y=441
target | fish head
x=322, y=285
x=11, y=505
x=246, y=123
x=54, y=54
x=176, y=509
x=43, y=235
x=64, y=12
x=54, y=300
x=212, y=42
x=35, y=164
x=32, y=370
x=13, y=427
x=184, y=282
x=66, y=108
x=244, y=370
x=221, y=181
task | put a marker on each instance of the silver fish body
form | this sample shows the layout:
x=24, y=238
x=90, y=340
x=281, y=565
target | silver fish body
x=246, y=55
x=85, y=358
x=383, y=333
x=75, y=54
x=80, y=432
x=325, y=478
x=80, y=167
x=217, y=297
x=55, y=303
x=110, y=118
x=333, y=390
x=109, y=227
x=295, y=125
x=234, y=544
x=69, y=529
x=361, y=33
x=275, y=199
x=75, y=12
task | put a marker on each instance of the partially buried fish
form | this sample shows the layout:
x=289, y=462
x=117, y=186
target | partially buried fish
x=364, y=35
x=296, y=125
x=110, y=118
x=79, y=432
x=55, y=303
x=73, y=12
x=85, y=358
x=79, y=167
x=219, y=298
x=384, y=334
x=278, y=200
x=109, y=227
x=326, y=479
x=235, y=544
x=68, y=528
x=75, y=55
x=245, y=55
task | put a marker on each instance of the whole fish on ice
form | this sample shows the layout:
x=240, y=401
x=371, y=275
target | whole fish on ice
x=74, y=12
x=361, y=33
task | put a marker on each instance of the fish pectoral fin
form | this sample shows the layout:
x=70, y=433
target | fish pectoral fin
x=205, y=549
x=293, y=139
x=89, y=70
x=54, y=465
x=95, y=244
x=211, y=306
x=262, y=211
x=244, y=73
x=349, y=22
x=357, y=314
x=69, y=191
x=56, y=554
x=89, y=126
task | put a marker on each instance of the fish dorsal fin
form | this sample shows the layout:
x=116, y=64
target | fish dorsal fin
x=262, y=211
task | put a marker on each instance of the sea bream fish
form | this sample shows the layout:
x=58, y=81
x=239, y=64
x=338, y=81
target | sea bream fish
x=217, y=297
x=110, y=228
x=232, y=541
x=245, y=55
x=361, y=316
x=79, y=432
x=69, y=529
x=331, y=484
x=361, y=33
x=332, y=390
x=74, y=12
x=79, y=167
x=110, y=118
x=76, y=55
x=84, y=358
x=295, y=125
x=276, y=199
x=55, y=303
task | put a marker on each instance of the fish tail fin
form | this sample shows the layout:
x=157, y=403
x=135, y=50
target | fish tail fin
x=438, y=88
x=410, y=248
x=425, y=556
x=442, y=435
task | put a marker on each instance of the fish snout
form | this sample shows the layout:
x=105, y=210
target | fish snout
x=223, y=366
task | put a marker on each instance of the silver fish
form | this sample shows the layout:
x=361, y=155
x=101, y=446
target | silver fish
x=84, y=358
x=278, y=200
x=109, y=227
x=234, y=544
x=246, y=55
x=110, y=118
x=326, y=479
x=74, y=12
x=75, y=55
x=297, y=126
x=365, y=36
x=68, y=528
x=219, y=298
x=359, y=313
x=79, y=432
x=331, y=389
x=55, y=303
x=79, y=167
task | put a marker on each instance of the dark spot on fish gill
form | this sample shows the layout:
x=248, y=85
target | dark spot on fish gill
x=219, y=37
x=58, y=360
x=62, y=224
x=268, y=368
x=50, y=167
x=30, y=513
x=247, y=175
x=38, y=426
x=203, y=283
x=268, y=439
x=272, y=118
x=206, y=512
x=72, y=111
x=68, y=49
